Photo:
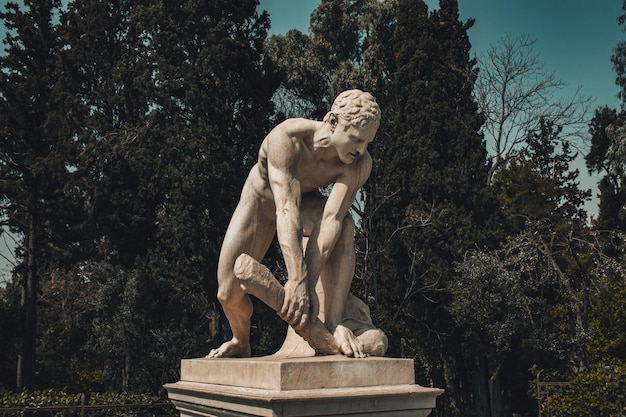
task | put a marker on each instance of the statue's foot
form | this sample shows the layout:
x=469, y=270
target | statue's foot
x=231, y=349
x=374, y=342
x=348, y=343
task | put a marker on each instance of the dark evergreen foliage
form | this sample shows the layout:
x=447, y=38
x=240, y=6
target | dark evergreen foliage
x=606, y=158
x=153, y=112
x=33, y=164
x=437, y=206
x=540, y=185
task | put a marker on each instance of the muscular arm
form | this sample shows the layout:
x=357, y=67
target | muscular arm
x=324, y=236
x=282, y=157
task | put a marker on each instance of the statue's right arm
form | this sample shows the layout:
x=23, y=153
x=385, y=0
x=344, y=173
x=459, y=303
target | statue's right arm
x=282, y=159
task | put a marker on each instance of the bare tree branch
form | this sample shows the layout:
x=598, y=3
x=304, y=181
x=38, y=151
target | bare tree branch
x=514, y=91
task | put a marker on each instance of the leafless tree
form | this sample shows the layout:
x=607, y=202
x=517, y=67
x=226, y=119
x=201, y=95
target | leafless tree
x=515, y=91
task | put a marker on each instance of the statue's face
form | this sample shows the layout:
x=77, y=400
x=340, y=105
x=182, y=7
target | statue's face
x=351, y=141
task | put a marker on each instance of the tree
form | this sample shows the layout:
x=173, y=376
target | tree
x=539, y=184
x=133, y=146
x=10, y=325
x=32, y=161
x=175, y=117
x=345, y=49
x=606, y=156
x=501, y=301
x=514, y=90
x=436, y=205
x=311, y=64
x=545, y=299
x=541, y=187
x=528, y=298
x=599, y=389
x=619, y=58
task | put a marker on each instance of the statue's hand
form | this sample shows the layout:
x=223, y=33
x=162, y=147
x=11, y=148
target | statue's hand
x=348, y=343
x=295, y=310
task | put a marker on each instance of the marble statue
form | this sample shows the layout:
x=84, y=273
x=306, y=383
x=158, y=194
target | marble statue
x=315, y=233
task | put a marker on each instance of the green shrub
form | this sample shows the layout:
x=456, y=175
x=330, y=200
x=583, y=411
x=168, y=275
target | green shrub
x=52, y=402
x=601, y=392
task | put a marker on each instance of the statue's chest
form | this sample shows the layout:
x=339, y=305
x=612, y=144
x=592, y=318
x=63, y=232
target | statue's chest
x=314, y=174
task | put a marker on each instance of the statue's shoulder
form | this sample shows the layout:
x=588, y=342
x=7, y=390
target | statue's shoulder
x=290, y=133
x=296, y=126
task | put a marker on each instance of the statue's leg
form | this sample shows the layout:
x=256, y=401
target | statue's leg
x=358, y=319
x=311, y=208
x=257, y=280
x=294, y=346
x=337, y=273
x=250, y=231
x=336, y=278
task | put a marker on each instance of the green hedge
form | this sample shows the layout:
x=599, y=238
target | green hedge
x=54, y=402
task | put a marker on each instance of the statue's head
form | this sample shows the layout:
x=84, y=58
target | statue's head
x=355, y=108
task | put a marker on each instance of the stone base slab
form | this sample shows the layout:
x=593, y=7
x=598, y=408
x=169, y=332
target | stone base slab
x=282, y=374
x=289, y=387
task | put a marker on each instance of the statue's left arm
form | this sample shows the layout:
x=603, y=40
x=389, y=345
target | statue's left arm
x=325, y=234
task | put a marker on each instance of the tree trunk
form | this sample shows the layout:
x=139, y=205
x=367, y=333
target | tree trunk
x=126, y=371
x=480, y=382
x=496, y=403
x=26, y=360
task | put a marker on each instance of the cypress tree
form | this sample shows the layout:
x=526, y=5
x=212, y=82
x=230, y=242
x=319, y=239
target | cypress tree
x=32, y=161
x=606, y=155
x=174, y=99
x=434, y=172
x=606, y=158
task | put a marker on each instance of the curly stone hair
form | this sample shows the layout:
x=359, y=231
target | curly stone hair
x=355, y=108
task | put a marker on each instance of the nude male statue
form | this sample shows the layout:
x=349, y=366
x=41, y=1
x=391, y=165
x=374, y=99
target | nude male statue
x=281, y=196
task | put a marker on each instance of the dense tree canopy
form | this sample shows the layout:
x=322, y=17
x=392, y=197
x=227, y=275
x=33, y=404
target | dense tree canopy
x=33, y=158
x=138, y=117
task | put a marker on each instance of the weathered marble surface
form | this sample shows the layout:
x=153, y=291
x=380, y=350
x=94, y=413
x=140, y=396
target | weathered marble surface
x=317, y=386
x=313, y=337
x=282, y=197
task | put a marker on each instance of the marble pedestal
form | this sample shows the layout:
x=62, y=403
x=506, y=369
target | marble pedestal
x=313, y=386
